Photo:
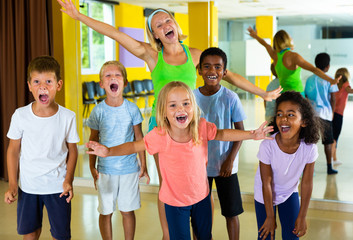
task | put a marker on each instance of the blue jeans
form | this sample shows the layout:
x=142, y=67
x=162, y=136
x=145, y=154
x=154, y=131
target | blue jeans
x=178, y=219
x=288, y=212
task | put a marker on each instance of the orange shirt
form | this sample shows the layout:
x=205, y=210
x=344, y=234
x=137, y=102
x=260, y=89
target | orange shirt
x=341, y=99
x=182, y=165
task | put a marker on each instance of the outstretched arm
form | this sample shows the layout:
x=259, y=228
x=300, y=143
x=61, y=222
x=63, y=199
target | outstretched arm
x=141, y=50
x=241, y=82
x=301, y=62
x=142, y=154
x=121, y=150
x=268, y=47
x=349, y=89
x=306, y=189
x=239, y=135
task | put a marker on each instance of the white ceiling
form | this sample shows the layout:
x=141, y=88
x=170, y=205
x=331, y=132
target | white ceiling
x=321, y=12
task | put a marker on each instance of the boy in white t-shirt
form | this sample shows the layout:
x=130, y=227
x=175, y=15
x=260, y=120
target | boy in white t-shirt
x=43, y=152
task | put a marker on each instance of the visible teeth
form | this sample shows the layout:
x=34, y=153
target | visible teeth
x=181, y=118
x=212, y=77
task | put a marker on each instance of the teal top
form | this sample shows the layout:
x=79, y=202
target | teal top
x=164, y=73
x=289, y=79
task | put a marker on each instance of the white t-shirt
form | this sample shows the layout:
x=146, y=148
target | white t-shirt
x=43, y=148
x=286, y=168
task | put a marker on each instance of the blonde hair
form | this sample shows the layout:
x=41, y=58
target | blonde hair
x=161, y=115
x=156, y=43
x=282, y=40
x=345, y=76
x=114, y=63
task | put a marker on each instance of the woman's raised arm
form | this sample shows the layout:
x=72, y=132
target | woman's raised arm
x=141, y=50
x=268, y=47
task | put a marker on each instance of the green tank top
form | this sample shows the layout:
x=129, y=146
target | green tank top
x=164, y=73
x=289, y=79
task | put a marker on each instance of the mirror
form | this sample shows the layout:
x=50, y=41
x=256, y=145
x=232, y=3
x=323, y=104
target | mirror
x=321, y=34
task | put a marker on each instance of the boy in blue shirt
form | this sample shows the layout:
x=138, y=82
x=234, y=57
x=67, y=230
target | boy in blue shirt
x=321, y=95
x=43, y=152
x=115, y=121
x=222, y=107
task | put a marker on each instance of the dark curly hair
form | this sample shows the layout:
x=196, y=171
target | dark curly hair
x=310, y=133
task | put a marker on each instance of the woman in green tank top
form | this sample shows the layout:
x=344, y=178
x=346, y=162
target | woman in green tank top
x=288, y=64
x=163, y=32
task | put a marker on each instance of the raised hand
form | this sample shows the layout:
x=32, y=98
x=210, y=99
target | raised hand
x=69, y=8
x=274, y=94
x=252, y=32
x=337, y=80
x=97, y=149
x=262, y=131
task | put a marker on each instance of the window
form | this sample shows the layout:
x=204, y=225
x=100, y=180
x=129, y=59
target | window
x=95, y=47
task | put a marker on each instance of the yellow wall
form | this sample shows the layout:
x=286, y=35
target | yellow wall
x=203, y=27
x=72, y=67
x=183, y=21
x=265, y=29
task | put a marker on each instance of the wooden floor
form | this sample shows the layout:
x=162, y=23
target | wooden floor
x=84, y=224
x=330, y=215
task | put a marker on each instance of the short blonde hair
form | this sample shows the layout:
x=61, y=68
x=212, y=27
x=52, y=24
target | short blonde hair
x=114, y=63
x=156, y=43
x=282, y=40
x=345, y=76
x=161, y=113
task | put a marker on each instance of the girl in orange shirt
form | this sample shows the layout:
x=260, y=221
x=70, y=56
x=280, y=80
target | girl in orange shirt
x=181, y=142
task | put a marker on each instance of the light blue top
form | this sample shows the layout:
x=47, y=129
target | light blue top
x=115, y=126
x=223, y=109
x=318, y=91
x=271, y=105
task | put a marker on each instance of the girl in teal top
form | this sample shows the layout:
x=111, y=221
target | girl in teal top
x=288, y=64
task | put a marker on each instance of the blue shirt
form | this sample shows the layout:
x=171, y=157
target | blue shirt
x=318, y=91
x=223, y=109
x=115, y=126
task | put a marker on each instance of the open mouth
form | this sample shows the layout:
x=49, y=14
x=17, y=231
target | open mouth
x=212, y=77
x=181, y=119
x=43, y=98
x=170, y=34
x=114, y=87
x=285, y=129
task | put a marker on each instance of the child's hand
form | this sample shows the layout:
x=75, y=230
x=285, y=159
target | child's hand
x=95, y=175
x=300, y=227
x=262, y=131
x=144, y=173
x=271, y=95
x=97, y=149
x=68, y=190
x=268, y=227
x=226, y=168
x=252, y=32
x=337, y=80
x=70, y=8
x=10, y=195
